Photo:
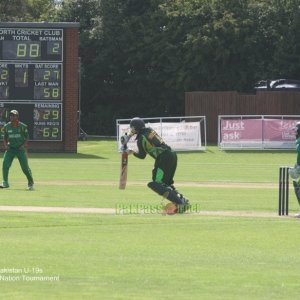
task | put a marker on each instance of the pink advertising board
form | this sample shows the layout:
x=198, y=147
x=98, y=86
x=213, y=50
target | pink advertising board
x=259, y=132
x=236, y=130
x=279, y=130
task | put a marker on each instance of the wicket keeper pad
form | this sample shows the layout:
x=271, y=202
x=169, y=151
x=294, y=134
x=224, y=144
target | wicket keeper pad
x=297, y=190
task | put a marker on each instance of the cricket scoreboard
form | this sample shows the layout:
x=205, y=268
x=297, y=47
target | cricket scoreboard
x=33, y=63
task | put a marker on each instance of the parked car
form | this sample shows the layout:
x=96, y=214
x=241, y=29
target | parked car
x=277, y=84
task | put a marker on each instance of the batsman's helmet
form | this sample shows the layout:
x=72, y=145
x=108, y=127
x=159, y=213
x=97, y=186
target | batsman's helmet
x=137, y=124
x=297, y=128
x=14, y=113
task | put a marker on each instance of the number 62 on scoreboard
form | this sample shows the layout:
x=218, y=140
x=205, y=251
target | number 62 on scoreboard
x=46, y=133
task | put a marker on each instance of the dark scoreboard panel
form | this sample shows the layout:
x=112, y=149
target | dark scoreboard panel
x=26, y=81
x=44, y=120
x=31, y=79
x=31, y=44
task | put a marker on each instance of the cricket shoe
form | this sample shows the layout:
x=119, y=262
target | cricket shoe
x=4, y=186
x=297, y=215
x=185, y=202
x=30, y=187
x=185, y=206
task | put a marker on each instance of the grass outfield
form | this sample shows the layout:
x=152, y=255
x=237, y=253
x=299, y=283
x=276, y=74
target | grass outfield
x=215, y=180
x=149, y=256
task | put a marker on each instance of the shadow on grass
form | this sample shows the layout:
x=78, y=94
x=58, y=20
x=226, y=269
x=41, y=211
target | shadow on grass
x=259, y=151
x=192, y=151
x=64, y=155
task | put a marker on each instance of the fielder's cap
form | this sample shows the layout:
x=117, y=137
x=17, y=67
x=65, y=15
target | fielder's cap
x=13, y=112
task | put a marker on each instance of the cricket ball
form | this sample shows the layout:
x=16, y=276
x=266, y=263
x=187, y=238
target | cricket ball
x=171, y=209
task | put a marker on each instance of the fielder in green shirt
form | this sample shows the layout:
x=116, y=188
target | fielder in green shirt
x=16, y=143
x=295, y=172
x=298, y=146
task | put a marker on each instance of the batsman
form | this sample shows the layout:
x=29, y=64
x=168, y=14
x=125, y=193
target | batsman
x=149, y=142
x=295, y=172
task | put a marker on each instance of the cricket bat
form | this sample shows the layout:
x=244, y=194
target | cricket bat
x=124, y=168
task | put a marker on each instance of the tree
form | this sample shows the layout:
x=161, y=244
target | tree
x=120, y=69
x=12, y=10
x=139, y=57
x=27, y=10
x=282, y=27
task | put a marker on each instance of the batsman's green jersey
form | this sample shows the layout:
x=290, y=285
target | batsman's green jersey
x=149, y=142
x=15, y=136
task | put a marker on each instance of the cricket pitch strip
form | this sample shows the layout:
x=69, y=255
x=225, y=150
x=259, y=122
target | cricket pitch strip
x=112, y=211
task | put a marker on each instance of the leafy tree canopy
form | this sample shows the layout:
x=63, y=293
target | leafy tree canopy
x=27, y=10
x=139, y=57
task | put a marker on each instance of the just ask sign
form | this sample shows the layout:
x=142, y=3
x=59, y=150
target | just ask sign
x=258, y=131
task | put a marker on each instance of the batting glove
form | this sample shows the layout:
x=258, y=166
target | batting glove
x=125, y=139
x=295, y=172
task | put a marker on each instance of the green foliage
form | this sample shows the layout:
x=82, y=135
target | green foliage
x=12, y=10
x=150, y=53
x=83, y=11
x=139, y=57
x=27, y=10
x=125, y=74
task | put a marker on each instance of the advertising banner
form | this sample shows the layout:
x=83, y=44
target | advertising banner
x=241, y=131
x=258, y=133
x=178, y=135
x=279, y=130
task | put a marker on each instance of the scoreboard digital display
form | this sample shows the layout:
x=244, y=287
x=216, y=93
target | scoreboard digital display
x=31, y=44
x=43, y=119
x=25, y=81
x=31, y=79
